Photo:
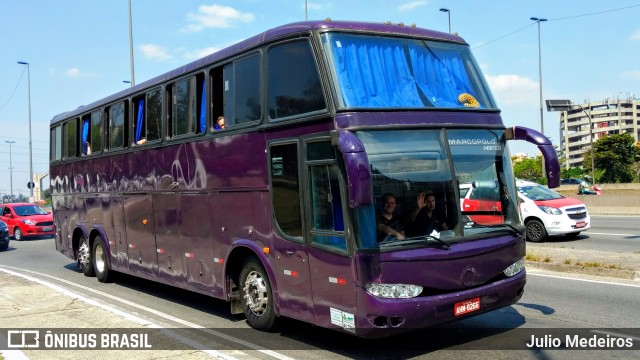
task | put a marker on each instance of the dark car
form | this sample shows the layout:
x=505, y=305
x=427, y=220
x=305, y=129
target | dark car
x=26, y=220
x=570, y=181
x=4, y=236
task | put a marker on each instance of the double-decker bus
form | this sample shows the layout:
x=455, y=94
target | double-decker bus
x=277, y=212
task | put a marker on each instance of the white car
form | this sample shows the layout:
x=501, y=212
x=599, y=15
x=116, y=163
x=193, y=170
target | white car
x=545, y=212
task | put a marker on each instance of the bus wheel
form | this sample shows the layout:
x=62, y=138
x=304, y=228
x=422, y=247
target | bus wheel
x=256, y=296
x=535, y=231
x=84, y=257
x=99, y=260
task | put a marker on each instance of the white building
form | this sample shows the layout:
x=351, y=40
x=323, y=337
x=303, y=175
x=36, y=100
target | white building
x=616, y=116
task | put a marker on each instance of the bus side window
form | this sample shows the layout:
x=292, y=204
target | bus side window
x=326, y=207
x=117, y=126
x=139, y=123
x=70, y=141
x=217, y=96
x=95, y=133
x=85, y=145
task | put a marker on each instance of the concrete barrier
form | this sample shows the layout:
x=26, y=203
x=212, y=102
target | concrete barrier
x=617, y=199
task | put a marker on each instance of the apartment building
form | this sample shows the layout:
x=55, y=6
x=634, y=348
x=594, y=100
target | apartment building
x=590, y=121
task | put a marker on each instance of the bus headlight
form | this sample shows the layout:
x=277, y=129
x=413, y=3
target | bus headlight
x=394, y=291
x=514, y=268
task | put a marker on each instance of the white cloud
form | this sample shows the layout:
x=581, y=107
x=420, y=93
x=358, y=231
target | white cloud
x=634, y=74
x=155, y=52
x=216, y=16
x=75, y=72
x=636, y=35
x=411, y=5
x=513, y=89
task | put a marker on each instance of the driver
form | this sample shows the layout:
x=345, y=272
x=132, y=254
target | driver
x=424, y=219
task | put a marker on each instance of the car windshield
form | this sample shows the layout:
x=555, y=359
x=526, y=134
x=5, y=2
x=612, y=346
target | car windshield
x=27, y=210
x=384, y=72
x=538, y=192
x=427, y=166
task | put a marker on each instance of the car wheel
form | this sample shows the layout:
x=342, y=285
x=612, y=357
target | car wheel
x=256, y=296
x=99, y=260
x=535, y=231
x=573, y=234
x=84, y=257
x=17, y=234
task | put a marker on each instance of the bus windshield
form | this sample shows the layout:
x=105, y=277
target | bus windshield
x=390, y=72
x=416, y=167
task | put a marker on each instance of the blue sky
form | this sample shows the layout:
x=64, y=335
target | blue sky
x=78, y=52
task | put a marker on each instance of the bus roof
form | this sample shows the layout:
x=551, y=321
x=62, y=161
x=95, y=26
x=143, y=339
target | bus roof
x=283, y=31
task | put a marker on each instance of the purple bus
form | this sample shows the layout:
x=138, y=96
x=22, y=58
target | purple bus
x=331, y=195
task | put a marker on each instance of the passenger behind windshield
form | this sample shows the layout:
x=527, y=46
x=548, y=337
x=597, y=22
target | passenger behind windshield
x=389, y=224
x=424, y=219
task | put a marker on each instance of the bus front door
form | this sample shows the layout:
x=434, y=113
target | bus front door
x=331, y=266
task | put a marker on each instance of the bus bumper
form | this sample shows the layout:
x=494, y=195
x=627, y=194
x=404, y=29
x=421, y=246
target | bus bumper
x=386, y=317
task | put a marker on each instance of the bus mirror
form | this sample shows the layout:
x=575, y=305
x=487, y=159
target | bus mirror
x=545, y=146
x=356, y=165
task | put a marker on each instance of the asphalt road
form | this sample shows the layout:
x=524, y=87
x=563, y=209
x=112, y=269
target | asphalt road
x=607, y=233
x=551, y=304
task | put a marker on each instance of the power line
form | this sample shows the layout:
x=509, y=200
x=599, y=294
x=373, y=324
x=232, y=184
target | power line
x=14, y=90
x=557, y=19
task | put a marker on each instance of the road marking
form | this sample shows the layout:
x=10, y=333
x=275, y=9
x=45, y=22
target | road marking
x=595, y=233
x=585, y=280
x=141, y=307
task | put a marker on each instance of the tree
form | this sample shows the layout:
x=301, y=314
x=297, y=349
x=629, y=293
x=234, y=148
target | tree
x=614, y=155
x=529, y=169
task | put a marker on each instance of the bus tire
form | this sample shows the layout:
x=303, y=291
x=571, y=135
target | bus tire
x=535, y=231
x=99, y=260
x=256, y=296
x=84, y=257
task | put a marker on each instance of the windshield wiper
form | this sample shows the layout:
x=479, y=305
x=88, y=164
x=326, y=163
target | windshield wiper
x=417, y=239
x=495, y=226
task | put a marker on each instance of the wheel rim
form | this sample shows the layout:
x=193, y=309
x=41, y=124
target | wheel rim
x=17, y=233
x=83, y=254
x=99, y=258
x=255, y=293
x=534, y=231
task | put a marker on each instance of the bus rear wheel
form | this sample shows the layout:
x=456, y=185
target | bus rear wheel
x=257, y=296
x=84, y=257
x=99, y=260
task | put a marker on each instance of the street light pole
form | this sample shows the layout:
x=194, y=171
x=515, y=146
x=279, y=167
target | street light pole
x=538, y=20
x=30, y=147
x=449, y=14
x=133, y=79
x=10, y=168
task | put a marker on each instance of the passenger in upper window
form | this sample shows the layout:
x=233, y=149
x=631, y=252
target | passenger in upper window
x=88, y=148
x=219, y=124
x=389, y=225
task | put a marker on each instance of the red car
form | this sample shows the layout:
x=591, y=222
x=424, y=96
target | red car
x=27, y=220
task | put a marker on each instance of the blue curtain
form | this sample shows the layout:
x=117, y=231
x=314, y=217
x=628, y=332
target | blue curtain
x=387, y=73
x=374, y=73
x=85, y=134
x=203, y=108
x=440, y=74
x=139, y=120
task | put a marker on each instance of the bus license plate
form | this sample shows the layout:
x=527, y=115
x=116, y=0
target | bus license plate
x=580, y=224
x=465, y=307
x=47, y=228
